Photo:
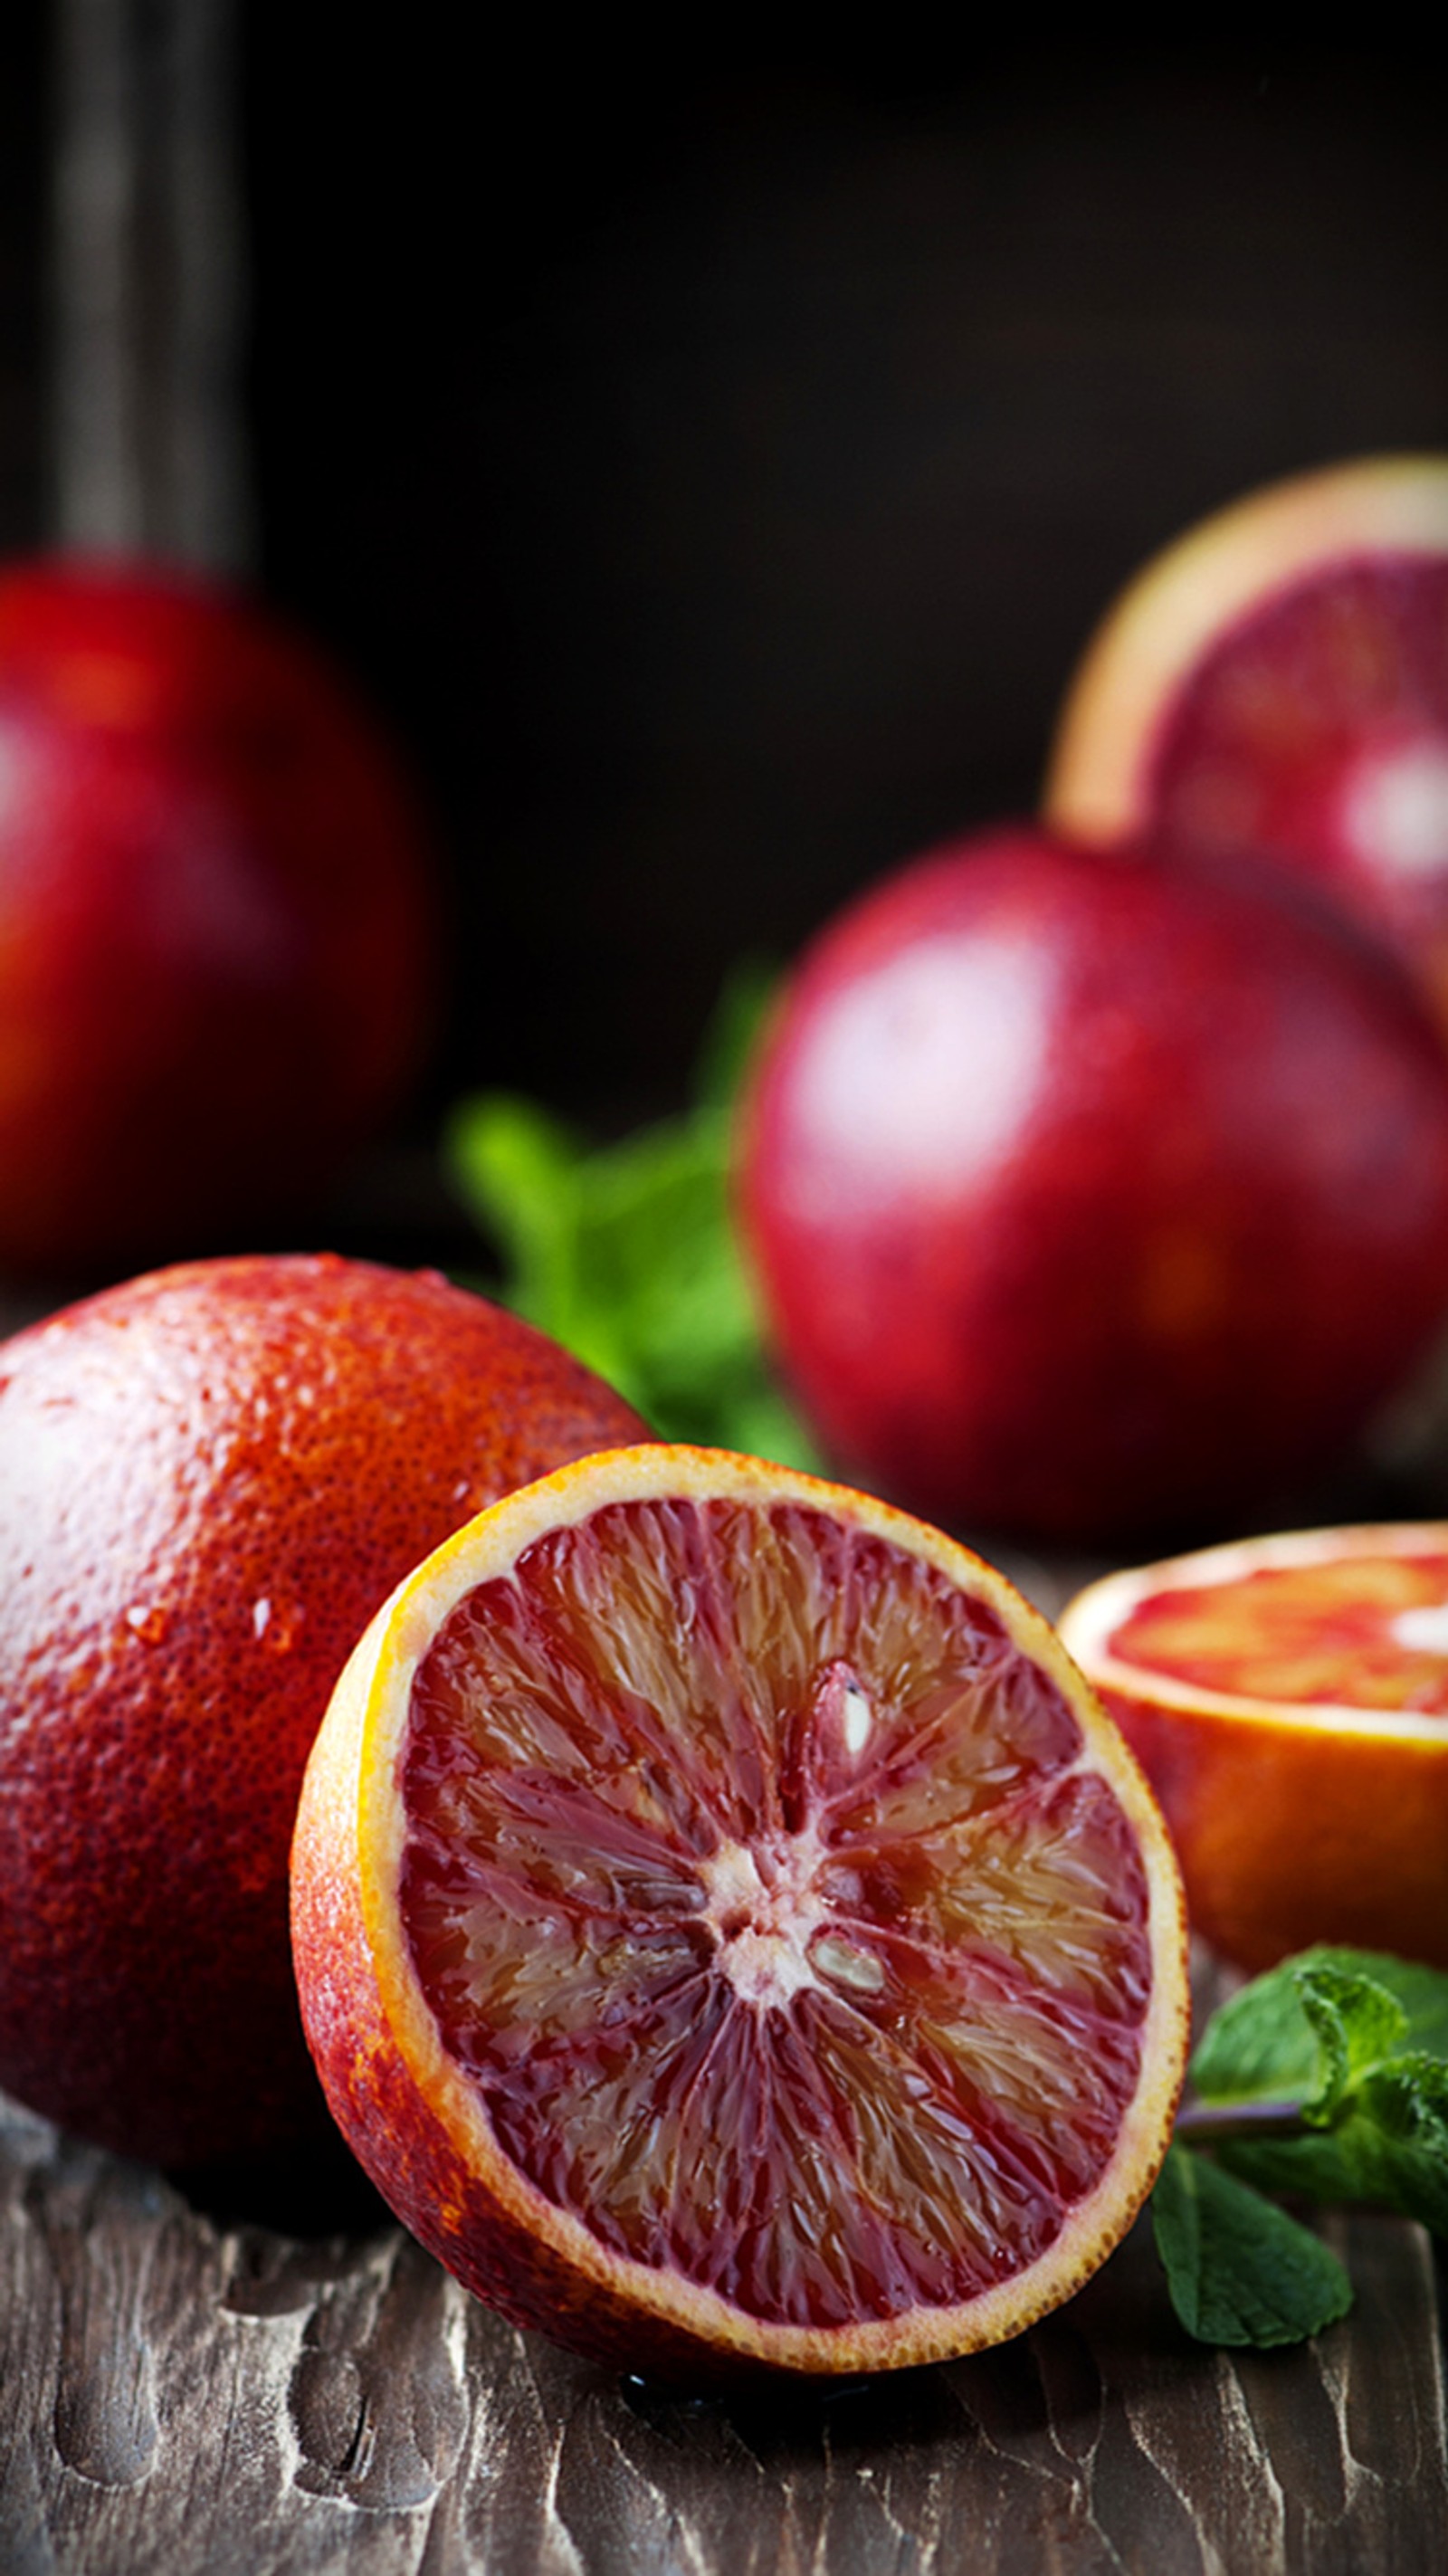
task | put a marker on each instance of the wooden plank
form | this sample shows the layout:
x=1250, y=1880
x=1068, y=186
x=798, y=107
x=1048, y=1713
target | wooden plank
x=196, y=2398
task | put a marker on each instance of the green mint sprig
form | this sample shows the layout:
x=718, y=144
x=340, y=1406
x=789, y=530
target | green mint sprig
x=1325, y=2080
x=627, y=1253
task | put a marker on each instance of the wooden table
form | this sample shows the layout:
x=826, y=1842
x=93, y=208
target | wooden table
x=268, y=2375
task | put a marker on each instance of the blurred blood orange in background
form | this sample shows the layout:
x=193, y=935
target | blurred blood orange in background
x=216, y=918
x=209, y=1479
x=1277, y=680
x=1090, y=1191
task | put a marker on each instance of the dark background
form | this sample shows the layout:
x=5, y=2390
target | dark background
x=715, y=474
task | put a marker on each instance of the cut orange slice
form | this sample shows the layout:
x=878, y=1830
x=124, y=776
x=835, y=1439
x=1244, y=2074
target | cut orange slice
x=728, y=1931
x=1288, y=1697
x=1276, y=681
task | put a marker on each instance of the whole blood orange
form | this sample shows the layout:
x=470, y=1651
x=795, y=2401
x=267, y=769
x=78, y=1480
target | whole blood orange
x=1288, y=1697
x=728, y=1931
x=1089, y=1190
x=216, y=941
x=1276, y=680
x=209, y=1478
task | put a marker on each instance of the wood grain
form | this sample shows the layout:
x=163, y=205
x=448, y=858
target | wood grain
x=197, y=2397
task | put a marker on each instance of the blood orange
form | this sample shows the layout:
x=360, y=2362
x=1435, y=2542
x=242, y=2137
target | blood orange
x=1288, y=1697
x=216, y=916
x=1276, y=681
x=1091, y=1191
x=729, y=1933
x=209, y=1478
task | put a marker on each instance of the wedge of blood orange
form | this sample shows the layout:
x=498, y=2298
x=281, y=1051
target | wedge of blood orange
x=1288, y=1697
x=1276, y=681
x=728, y=1931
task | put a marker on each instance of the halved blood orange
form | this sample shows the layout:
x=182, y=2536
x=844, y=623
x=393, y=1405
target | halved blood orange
x=1288, y=1698
x=1277, y=681
x=728, y=1930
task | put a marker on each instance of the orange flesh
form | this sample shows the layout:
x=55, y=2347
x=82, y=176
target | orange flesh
x=1333, y=693
x=752, y=1879
x=1368, y=1632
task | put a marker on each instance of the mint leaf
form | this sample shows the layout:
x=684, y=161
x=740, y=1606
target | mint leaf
x=1262, y=2045
x=1388, y=2146
x=1239, y=2270
x=1356, y=2022
x=1355, y=2042
x=626, y=1253
x=733, y=1031
x=1404, y=2142
x=517, y=1166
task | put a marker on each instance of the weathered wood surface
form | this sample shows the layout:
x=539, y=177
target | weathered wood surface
x=193, y=2398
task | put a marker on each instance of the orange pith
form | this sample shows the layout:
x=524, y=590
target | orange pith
x=1287, y=1697
x=770, y=1956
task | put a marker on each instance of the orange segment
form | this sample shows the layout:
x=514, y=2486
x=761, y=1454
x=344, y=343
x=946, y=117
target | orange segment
x=756, y=1946
x=1288, y=1698
x=1369, y=1632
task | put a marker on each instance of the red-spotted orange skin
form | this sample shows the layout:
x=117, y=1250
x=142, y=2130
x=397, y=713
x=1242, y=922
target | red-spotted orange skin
x=209, y=1478
x=1288, y=1700
x=729, y=1934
